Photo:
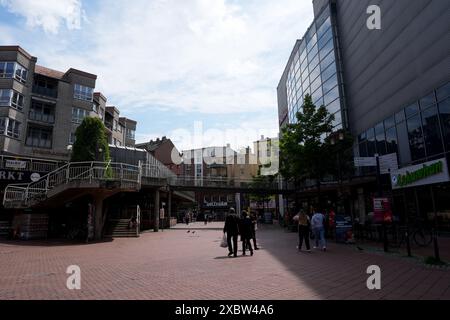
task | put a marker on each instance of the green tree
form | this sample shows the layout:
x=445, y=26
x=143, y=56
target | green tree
x=259, y=184
x=304, y=146
x=91, y=143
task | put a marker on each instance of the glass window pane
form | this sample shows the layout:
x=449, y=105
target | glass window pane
x=329, y=84
x=444, y=110
x=371, y=144
x=323, y=28
x=443, y=92
x=328, y=47
x=324, y=40
x=331, y=95
x=380, y=138
x=427, y=101
x=431, y=131
x=400, y=116
x=391, y=140
x=327, y=61
x=411, y=109
x=329, y=72
x=415, y=136
x=337, y=119
x=389, y=122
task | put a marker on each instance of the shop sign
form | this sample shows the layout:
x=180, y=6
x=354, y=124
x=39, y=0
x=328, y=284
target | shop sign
x=365, y=161
x=16, y=164
x=343, y=225
x=216, y=204
x=426, y=173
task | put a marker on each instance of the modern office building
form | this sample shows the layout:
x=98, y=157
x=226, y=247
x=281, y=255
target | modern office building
x=389, y=87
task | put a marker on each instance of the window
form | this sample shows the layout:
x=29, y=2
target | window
x=329, y=84
x=371, y=145
x=120, y=128
x=72, y=138
x=130, y=134
x=441, y=93
x=389, y=122
x=5, y=97
x=331, y=95
x=411, y=109
x=328, y=47
x=316, y=85
x=83, y=92
x=79, y=114
x=115, y=125
x=21, y=73
x=431, y=131
x=324, y=40
x=42, y=111
x=10, y=127
x=314, y=62
x=17, y=100
x=444, y=110
x=334, y=106
x=325, y=62
x=415, y=137
x=391, y=140
x=337, y=119
x=7, y=69
x=427, y=101
x=315, y=73
x=329, y=72
x=95, y=107
x=400, y=116
x=11, y=98
x=324, y=28
x=39, y=137
x=380, y=138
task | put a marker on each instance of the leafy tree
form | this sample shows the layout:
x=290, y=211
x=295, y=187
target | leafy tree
x=262, y=182
x=90, y=139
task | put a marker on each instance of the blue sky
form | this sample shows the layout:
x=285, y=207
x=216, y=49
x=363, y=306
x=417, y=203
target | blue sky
x=202, y=72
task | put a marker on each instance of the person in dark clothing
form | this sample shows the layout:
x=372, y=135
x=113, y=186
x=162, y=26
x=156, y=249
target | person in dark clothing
x=245, y=229
x=231, y=228
x=254, y=223
x=303, y=230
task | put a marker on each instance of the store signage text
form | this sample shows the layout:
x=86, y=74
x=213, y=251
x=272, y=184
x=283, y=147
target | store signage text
x=15, y=164
x=426, y=173
x=11, y=175
x=216, y=204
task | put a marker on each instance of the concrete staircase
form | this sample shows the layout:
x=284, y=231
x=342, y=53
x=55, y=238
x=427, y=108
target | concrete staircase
x=119, y=229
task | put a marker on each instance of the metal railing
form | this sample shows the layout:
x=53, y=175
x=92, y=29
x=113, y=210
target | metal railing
x=27, y=194
x=30, y=164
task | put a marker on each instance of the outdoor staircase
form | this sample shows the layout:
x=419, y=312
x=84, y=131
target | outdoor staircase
x=119, y=229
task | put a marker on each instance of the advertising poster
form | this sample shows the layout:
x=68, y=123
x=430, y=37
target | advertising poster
x=382, y=210
x=343, y=228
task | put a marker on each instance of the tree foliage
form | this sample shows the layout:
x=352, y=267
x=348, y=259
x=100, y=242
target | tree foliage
x=310, y=149
x=90, y=138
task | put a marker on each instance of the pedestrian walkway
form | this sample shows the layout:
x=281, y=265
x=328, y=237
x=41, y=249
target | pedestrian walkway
x=199, y=225
x=176, y=264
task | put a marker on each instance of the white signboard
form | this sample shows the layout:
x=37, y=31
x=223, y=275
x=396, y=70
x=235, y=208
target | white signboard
x=216, y=204
x=388, y=162
x=15, y=164
x=435, y=171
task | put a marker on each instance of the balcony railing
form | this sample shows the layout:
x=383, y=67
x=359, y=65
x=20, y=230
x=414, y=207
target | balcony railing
x=52, y=93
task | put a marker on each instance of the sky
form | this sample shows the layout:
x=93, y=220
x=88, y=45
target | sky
x=201, y=72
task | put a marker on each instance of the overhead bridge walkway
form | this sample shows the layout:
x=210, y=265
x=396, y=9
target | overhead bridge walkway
x=75, y=178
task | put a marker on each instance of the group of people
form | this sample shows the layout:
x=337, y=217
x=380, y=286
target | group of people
x=245, y=227
x=315, y=225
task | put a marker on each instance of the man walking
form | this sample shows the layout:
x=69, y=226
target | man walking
x=245, y=229
x=231, y=228
x=317, y=225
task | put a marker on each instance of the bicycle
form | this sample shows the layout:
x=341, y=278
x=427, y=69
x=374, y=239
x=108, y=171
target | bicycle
x=421, y=235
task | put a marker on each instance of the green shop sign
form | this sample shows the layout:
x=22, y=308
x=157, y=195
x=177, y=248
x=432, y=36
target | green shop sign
x=422, y=173
x=427, y=173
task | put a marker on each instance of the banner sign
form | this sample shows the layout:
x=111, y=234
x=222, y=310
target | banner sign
x=365, y=161
x=343, y=228
x=426, y=173
x=12, y=176
x=16, y=164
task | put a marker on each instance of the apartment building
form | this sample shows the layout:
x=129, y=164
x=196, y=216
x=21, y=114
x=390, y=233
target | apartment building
x=41, y=108
x=165, y=151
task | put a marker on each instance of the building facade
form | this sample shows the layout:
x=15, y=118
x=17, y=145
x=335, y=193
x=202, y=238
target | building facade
x=389, y=87
x=165, y=151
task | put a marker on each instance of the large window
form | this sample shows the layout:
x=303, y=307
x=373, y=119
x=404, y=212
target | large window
x=42, y=111
x=39, y=137
x=83, y=92
x=21, y=73
x=11, y=98
x=7, y=69
x=380, y=138
x=431, y=131
x=10, y=127
x=391, y=140
x=371, y=144
x=444, y=110
x=79, y=114
x=130, y=134
x=415, y=137
x=443, y=91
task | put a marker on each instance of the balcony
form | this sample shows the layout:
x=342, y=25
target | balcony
x=52, y=93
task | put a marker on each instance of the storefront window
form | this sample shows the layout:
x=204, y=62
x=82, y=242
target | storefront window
x=371, y=146
x=403, y=144
x=411, y=110
x=381, y=139
x=391, y=140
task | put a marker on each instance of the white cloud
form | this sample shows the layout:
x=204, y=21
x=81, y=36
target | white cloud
x=48, y=14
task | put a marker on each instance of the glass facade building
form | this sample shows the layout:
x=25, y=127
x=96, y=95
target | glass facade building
x=313, y=70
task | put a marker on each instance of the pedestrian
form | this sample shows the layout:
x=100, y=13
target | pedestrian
x=331, y=223
x=206, y=218
x=317, y=224
x=231, y=228
x=303, y=230
x=186, y=218
x=245, y=229
x=254, y=227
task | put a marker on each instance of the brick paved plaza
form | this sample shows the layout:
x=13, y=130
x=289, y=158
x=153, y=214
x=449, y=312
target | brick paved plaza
x=175, y=264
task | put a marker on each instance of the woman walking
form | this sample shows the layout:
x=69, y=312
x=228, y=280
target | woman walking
x=303, y=230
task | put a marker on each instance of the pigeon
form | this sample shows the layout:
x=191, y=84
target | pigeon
x=359, y=248
x=193, y=231
x=188, y=231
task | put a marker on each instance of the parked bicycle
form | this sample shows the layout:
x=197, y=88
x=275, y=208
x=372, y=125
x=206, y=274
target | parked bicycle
x=419, y=233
